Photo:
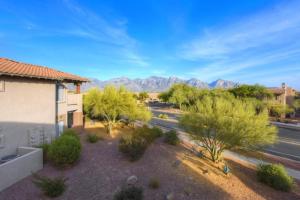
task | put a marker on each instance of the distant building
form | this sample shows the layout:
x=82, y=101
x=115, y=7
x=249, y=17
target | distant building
x=284, y=94
x=35, y=104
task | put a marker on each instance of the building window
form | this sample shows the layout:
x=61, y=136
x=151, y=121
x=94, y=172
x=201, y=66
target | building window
x=60, y=93
x=2, y=86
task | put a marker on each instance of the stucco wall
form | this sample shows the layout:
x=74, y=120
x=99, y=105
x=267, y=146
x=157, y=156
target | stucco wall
x=30, y=161
x=27, y=113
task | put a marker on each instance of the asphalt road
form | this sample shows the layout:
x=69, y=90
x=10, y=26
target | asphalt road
x=288, y=145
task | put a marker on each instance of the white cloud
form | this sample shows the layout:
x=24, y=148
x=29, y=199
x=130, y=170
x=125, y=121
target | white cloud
x=109, y=31
x=260, y=40
x=276, y=26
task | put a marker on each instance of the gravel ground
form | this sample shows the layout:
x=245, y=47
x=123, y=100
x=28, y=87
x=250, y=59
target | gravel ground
x=102, y=170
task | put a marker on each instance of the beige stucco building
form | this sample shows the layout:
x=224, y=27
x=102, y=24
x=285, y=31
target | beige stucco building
x=284, y=94
x=35, y=104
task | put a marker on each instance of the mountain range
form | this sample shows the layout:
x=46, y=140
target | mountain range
x=155, y=83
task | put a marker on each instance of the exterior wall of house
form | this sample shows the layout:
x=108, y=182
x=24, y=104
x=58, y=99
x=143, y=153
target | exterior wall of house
x=28, y=110
x=71, y=102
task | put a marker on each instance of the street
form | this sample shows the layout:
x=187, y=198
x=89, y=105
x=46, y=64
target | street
x=288, y=145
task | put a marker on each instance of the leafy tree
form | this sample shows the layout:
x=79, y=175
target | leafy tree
x=180, y=94
x=143, y=96
x=113, y=104
x=218, y=123
x=296, y=104
x=164, y=96
x=278, y=110
x=251, y=91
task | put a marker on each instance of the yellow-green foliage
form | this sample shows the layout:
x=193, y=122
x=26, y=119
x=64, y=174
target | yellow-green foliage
x=275, y=176
x=226, y=123
x=112, y=104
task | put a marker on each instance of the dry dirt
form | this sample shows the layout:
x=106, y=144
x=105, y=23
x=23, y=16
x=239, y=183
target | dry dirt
x=102, y=169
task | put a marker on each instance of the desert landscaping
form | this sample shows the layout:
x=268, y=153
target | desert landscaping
x=102, y=170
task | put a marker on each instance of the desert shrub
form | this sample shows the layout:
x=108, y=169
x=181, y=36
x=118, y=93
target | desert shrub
x=71, y=132
x=171, y=138
x=64, y=151
x=129, y=193
x=133, y=146
x=154, y=183
x=149, y=134
x=92, y=138
x=275, y=176
x=45, y=148
x=163, y=116
x=156, y=132
x=50, y=187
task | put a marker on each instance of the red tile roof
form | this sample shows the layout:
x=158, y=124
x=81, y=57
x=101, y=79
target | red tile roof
x=15, y=68
x=276, y=90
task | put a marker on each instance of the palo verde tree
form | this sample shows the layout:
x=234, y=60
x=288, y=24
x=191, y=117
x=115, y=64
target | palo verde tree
x=251, y=91
x=218, y=123
x=143, y=96
x=114, y=104
x=180, y=94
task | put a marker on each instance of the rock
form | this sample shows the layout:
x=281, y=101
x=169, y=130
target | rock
x=132, y=180
x=205, y=171
x=176, y=163
x=170, y=196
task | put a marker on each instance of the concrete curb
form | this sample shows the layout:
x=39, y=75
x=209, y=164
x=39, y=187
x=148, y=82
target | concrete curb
x=289, y=126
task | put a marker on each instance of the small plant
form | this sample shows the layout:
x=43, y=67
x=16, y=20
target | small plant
x=171, y=138
x=64, y=151
x=71, y=132
x=154, y=183
x=92, y=138
x=149, y=134
x=156, y=132
x=163, y=116
x=133, y=146
x=129, y=193
x=45, y=148
x=50, y=187
x=275, y=176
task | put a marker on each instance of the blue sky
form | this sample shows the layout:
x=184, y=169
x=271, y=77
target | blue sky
x=255, y=41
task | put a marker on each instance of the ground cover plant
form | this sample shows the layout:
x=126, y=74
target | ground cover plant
x=129, y=193
x=154, y=183
x=92, y=138
x=163, y=116
x=50, y=187
x=171, y=138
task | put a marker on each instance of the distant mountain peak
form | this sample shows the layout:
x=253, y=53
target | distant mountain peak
x=156, y=83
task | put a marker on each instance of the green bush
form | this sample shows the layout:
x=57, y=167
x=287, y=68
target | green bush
x=50, y=187
x=154, y=183
x=171, y=138
x=92, y=138
x=71, y=132
x=45, y=148
x=64, y=151
x=163, y=116
x=275, y=176
x=156, y=132
x=132, y=146
x=129, y=193
x=150, y=134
